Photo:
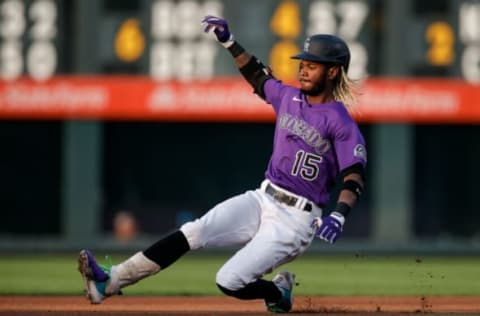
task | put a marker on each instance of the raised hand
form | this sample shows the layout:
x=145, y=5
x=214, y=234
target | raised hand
x=330, y=227
x=219, y=27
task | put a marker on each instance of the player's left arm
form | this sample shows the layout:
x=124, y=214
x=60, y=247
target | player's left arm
x=249, y=66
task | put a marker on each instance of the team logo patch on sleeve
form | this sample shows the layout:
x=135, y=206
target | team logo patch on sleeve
x=360, y=151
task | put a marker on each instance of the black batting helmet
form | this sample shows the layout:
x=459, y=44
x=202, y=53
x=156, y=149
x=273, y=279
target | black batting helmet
x=325, y=48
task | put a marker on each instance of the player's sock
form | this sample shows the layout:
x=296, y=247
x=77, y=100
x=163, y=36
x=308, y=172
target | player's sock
x=256, y=290
x=168, y=250
x=130, y=271
x=143, y=264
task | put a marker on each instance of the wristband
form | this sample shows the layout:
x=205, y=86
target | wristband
x=236, y=49
x=339, y=217
x=342, y=208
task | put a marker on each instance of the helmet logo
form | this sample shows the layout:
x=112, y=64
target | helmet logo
x=306, y=45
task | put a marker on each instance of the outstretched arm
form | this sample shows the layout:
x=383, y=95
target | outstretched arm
x=250, y=67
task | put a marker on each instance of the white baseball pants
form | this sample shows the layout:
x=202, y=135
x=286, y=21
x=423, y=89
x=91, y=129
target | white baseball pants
x=270, y=232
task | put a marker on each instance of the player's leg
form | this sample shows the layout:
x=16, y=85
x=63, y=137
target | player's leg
x=284, y=234
x=231, y=222
x=145, y=263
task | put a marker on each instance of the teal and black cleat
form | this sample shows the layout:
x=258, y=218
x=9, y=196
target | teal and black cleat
x=285, y=282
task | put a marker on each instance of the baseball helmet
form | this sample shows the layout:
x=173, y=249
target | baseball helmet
x=325, y=48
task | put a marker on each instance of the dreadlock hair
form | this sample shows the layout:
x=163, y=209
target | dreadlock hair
x=346, y=90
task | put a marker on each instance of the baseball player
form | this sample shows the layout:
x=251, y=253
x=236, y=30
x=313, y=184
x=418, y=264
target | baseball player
x=316, y=142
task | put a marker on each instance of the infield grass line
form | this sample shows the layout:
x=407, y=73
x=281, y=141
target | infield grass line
x=194, y=274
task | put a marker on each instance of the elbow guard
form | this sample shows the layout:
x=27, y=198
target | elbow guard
x=256, y=74
x=353, y=186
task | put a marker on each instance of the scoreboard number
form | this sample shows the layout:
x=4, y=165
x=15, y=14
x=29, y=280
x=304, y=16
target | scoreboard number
x=345, y=19
x=12, y=28
x=286, y=24
x=441, y=39
x=179, y=49
x=469, y=29
x=31, y=51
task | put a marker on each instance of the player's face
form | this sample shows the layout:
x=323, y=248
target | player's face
x=312, y=77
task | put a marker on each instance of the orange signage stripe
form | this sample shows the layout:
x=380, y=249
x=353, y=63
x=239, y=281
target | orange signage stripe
x=225, y=99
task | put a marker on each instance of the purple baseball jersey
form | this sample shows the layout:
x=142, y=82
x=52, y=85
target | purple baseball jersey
x=312, y=143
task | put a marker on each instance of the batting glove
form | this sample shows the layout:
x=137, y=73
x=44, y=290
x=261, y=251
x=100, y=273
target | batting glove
x=220, y=29
x=330, y=227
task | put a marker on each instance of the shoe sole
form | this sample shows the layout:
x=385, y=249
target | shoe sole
x=87, y=275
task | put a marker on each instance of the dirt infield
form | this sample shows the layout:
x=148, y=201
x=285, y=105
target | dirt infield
x=220, y=305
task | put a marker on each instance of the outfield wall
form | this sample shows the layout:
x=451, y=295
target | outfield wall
x=110, y=108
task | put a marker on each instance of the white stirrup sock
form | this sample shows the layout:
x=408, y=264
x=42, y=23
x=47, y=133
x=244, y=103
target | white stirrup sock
x=130, y=271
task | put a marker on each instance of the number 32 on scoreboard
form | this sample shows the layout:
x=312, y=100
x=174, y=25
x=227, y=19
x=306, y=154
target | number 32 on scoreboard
x=40, y=58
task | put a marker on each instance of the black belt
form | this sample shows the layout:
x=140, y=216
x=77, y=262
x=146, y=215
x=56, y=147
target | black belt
x=285, y=198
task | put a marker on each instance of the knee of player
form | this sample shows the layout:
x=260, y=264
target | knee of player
x=233, y=293
x=231, y=288
x=228, y=282
x=240, y=292
x=193, y=233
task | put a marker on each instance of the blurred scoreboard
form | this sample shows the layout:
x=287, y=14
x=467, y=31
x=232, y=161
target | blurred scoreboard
x=150, y=60
x=163, y=38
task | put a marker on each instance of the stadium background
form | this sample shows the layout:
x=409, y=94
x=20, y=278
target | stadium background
x=124, y=106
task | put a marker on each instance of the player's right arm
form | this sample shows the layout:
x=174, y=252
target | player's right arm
x=250, y=67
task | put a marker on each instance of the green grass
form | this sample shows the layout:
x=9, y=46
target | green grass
x=317, y=275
